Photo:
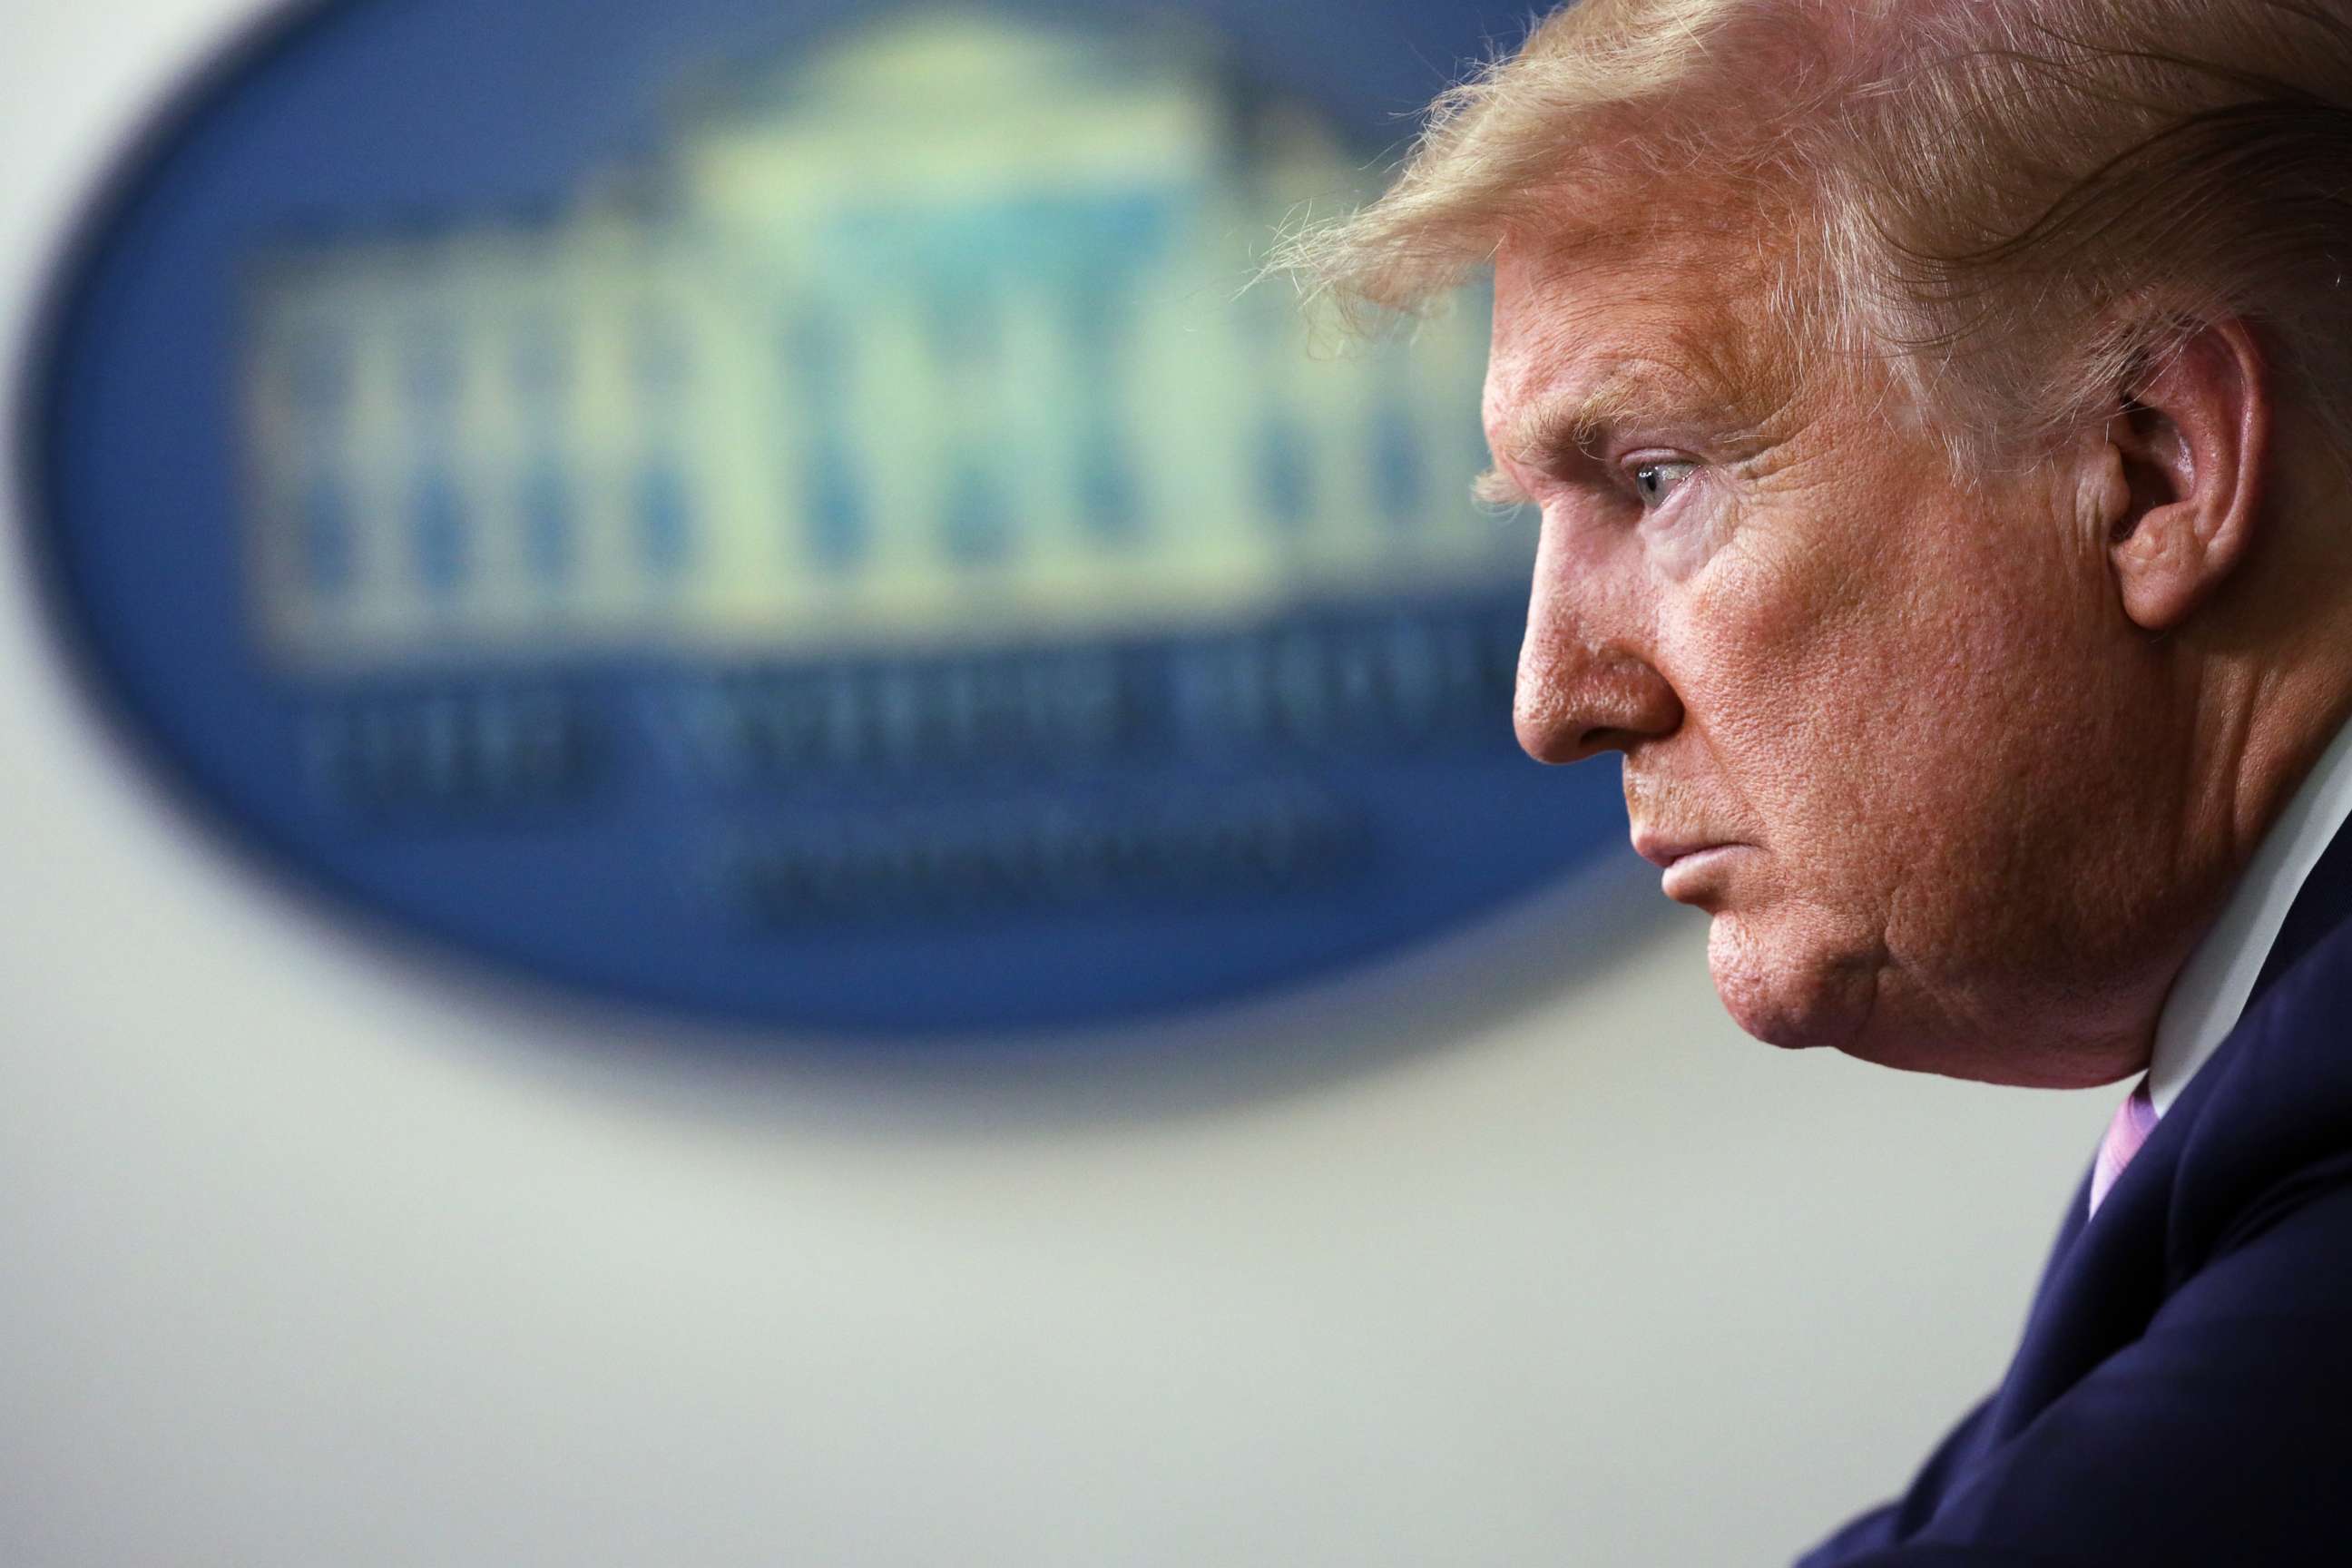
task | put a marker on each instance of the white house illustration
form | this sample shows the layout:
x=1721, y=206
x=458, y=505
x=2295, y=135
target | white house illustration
x=936, y=337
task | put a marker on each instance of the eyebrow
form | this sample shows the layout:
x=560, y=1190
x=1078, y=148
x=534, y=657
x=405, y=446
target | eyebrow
x=1497, y=488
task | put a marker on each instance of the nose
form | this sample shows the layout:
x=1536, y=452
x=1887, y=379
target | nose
x=1580, y=695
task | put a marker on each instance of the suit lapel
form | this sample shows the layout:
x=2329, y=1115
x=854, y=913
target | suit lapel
x=2105, y=1279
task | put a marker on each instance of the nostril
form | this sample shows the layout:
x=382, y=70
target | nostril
x=1556, y=739
x=1576, y=700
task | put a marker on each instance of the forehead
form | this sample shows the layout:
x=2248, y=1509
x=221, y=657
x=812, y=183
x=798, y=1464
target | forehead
x=1686, y=316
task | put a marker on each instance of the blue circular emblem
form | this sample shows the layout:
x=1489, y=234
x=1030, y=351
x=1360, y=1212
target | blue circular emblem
x=791, y=512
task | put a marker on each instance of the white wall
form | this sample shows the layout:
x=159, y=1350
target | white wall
x=309, y=1257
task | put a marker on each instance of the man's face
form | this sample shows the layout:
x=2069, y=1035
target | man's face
x=1889, y=730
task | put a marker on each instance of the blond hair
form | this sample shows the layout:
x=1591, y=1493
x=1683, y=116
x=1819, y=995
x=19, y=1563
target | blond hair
x=2016, y=200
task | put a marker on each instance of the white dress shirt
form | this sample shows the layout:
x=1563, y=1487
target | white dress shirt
x=2205, y=1002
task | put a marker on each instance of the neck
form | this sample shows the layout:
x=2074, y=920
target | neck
x=2264, y=684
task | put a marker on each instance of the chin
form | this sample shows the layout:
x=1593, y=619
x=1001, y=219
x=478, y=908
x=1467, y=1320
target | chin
x=1796, y=997
x=1801, y=994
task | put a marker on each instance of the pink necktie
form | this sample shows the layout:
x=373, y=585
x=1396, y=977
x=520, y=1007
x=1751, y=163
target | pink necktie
x=2134, y=1120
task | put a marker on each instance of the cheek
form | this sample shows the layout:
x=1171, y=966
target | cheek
x=1773, y=663
x=1922, y=729
x=1850, y=681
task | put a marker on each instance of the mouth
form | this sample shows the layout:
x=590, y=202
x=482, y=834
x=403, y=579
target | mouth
x=1665, y=853
x=1687, y=864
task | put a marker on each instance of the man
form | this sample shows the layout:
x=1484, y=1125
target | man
x=1940, y=416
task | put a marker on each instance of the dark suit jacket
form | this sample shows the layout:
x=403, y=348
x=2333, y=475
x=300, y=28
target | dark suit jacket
x=2184, y=1391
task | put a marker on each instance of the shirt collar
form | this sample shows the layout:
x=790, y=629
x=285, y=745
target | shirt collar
x=2206, y=1000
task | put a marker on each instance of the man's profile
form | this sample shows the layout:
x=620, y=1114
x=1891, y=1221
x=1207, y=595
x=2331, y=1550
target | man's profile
x=1939, y=413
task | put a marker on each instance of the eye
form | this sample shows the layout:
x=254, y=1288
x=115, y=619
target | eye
x=1654, y=482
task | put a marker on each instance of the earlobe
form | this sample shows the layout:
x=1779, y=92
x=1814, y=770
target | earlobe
x=2190, y=446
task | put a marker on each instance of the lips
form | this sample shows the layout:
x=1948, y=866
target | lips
x=1662, y=851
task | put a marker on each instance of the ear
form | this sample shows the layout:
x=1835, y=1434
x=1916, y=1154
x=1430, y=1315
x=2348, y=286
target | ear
x=2193, y=442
